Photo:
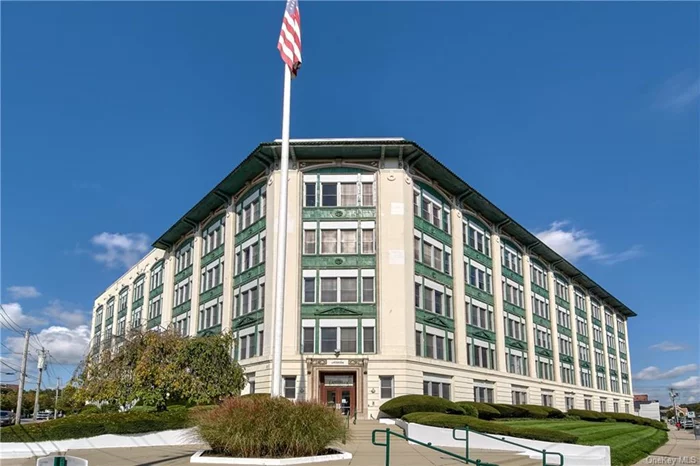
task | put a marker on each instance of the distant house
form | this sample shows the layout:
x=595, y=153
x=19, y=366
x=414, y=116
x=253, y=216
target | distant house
x=644, y=407
x=9, y=386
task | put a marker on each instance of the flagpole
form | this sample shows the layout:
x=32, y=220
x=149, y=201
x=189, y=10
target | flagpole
x=280, y=276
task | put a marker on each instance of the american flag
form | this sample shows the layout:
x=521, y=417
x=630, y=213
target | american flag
x=289, y=43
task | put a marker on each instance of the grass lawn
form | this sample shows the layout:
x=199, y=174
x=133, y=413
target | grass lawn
x=628, y=443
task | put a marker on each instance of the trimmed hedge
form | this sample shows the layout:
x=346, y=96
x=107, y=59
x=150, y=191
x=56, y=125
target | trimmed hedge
x=631, y=418
x=469, y=408
x=90, y=425
x=495, y=428
x=402, y=405
x=485, y=410
x=510, y=411
x=586, y=415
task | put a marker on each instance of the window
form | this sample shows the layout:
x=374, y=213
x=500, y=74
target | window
x=138, y=288
x=621, y=345
x=563, y=317
x=602, y=384
x=512, y=293
x=386, y=386
x=368, y=340
x=586, y=378
x=181, y=324
x=483, y=394
x=157, y=276
x=438, y=344
x=310, y=194
x=565, y=345
x=608, y=319
x=539, y=276
x=436, y=387
x=432, y=210
x=614, y=385
x=251, y=208
x=597, y=334
x=561, y=290
x=367, y=289
x=580, y=301
x=519, y=396
x=587, y=404
x=512, y=259
x=544, y=368
x=249, y=298
x=543, y=337
x=348, y=194
x=627, y=408
x=309, y=290
x=251, y=383
x=341, y=338
x=210, y=314
x=478, y=276
x=599, y=359
x=584, y=352
x=595, y=310
x=581, y=326
x=213, y=236
x=341, y=241
x=612, y=362
x=569, y=402
x=438, y=301
x=329, y=194
x=335, y=289
x=623, y=366
x=290, y=387
x=547, y=399
x=98, y=316
x=516, y=361
x=123, y=300
x=183, y=257
x=435, y=254
x=308, y=335
x=136, y=318
x=477, y=238
x=110, y=308
x=540, y=306
x=250, y=343
x=367, y=241
x=603, y=405
x=480, y=315
x=154, y=308
x=611, y=341
x=250, y=254
x=514, y=326
x=212, y=275
x=309, y=241
x=481, y=353
x=367, y=194
x=626, y=389
x=121, y=326
x=182, y=292
x=567, y=373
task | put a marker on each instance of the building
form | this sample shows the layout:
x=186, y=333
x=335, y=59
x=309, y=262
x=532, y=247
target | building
x=401, y=279
x=645, y=407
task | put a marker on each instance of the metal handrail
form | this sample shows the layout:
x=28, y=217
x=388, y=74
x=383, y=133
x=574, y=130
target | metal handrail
x=387, y=450
x=544, y=453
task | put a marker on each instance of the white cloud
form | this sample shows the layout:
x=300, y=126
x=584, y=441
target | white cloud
x=679, y=92
x=65, y=345
x=576, y=244
x=22, y=292
x=64, y=313
x=692, y=383
x=668, y=346
x=14, y=316
x=691, y=399
x=654, y=373
x=120, y=250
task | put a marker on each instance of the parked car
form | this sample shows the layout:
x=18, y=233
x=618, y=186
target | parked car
x=688, y=423
x=6, y=418
x=43, y=416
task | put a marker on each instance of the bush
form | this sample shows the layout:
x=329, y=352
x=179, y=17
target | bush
x=510, y=411
x=484, y=410
x=534, y=411
x=469, y=408
x=631, y=418
x=402, y=405
x=90, y=425
x=264, y=427
x=143, y=409
x=552, y=413
x=486, y=427
x=90, y=409
x=586, y=415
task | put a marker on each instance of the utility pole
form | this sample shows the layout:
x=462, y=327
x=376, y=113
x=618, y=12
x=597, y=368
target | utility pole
x=22, y=375
x=673, y=396
x=55, y=404
x=40, y=366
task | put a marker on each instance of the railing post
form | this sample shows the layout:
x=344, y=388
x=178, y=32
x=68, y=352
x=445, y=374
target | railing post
x=387, y=451
x=466, y=443
x=544, y=457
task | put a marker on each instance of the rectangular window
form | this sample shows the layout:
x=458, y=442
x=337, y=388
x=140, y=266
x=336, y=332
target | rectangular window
x=368, y=339
x=483, y=394
x=329, y=194
x=310, y=194
x=329, y=241
x=479, y=316
x=329, y=339
x=348, y=194
x=348, y=289
x=348, y=339
x=518, y=397
x=440, y=389
x=348, y=241
x=290, y=387
x=329, y=290
x=308, y=335
x=587, y=404
x=547, y=399
x=603, y=406
x=309, y=290
x=569, y=402
x=367, y=194
x=386, y=384
x=367, y=289
x=419, y=343
x=367, y=241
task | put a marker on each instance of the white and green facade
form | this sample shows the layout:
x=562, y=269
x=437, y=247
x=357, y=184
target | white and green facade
x=401, y=278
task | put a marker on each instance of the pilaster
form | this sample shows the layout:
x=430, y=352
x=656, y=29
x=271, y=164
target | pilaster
x=168, y=290
x=229, y=236
x=555, y=321
x=498, y=302
x=529, y=323
x=591, y=346
x=574, y=335
x=460, y=315
x=196, y=280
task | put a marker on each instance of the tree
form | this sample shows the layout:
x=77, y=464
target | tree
x=68, y=401
x=8, y=400
x=159, y=367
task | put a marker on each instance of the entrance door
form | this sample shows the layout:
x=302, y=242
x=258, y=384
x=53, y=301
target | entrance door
x=338, y=391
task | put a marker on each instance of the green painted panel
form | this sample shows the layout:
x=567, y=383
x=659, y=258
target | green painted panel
x=543, y=351
x=609, y=329
x=215, y=330
x=540, y=291
x=250, y=274
x=184, y=273
x=600, y=369
x=155, y=292
x=322, y=261
x=516, y=344
x=612, y=351
x=625, y=376
x=581, y=313
x=432, y=191
x=211, y=294
x=185, y=243
x=481, y=333
x=541, y=321
x=212, y=256
x=477, y=222
x=613, y=372
x=434, y=320
x=513, y=309
x=432, y=230
x=564, y=330
x=621, y=334
x=338, y=213
x=153, y=322
x=136, y=304
x=561, y=278
x=623, y=356
x=476, y=293
x=581, y=338
x=510, y=244
x=98, y=327
x=584, y=364
x=596, y=321
x=213, y=219
x=108, y=321
x=512, y=275
x=561, y=302
x=251, y=231
x=338, y=310
x=248, y=320
x=597, y=345
x=433, y=274
x=182, y=308
x=566, y=359
x=477, y=256
x=121, y=314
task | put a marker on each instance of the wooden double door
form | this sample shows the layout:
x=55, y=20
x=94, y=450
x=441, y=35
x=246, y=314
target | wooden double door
x=338, y=391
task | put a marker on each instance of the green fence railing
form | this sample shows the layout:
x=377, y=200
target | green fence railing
x=387, y=448
x=466, y=429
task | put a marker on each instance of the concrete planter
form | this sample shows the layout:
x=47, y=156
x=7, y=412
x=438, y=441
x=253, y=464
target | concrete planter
x=340, y=455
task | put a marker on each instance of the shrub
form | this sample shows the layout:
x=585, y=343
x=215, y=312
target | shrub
x=586, y=415
x=265, y=427
x=90, y=409
x=552, y=413
x=484, y=410
x=631, y=418
x=143, y=409
x=402, y=405
x=534, y=411
x=510, y=411
x=486, y=427
x=90, y=425
x=469, y=408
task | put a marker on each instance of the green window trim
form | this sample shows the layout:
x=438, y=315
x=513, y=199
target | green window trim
x=339, y=213
x=506, y=272
x=215, y=219
x=252, y=230
x=328, y=261
x=612, y=351
x=182, y=308
x=582, y=338
x=539, y=290
x=481, y=333
x=428, y=228
x=544, y=352
x=248, y=320
x=562, y=302
x=623, y=356
x=600, y=369
x=541, y=321
x=433, y=274
x=158, y=264
x=621, y=335
x=138, y=303
x=476, y=293
x=564, y=330
x=435, y=320
x=598, y=345
x=184, y=243
x=213, y=330
x=182, y=274
x=609, y=329
x=596, y=321
x=156, y=292
x=472, y=219
x=249, y=275
x=108, y=321
x=478, y=256
x=566, y=359
x=154, y=322
x=331, y=310
x=581, y=313
x=212, y=255
x=561, y=278
x=584, y=364
x=516, y=344
x=211, y=294
x=121, y=314
x=513, y=309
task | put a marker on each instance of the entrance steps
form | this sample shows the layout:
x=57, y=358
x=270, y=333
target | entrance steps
x=404, y=454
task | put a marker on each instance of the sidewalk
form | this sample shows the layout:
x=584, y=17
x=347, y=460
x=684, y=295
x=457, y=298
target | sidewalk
x=681, y=448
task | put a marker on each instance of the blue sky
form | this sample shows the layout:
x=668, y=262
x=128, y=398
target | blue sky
x=580, y=120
